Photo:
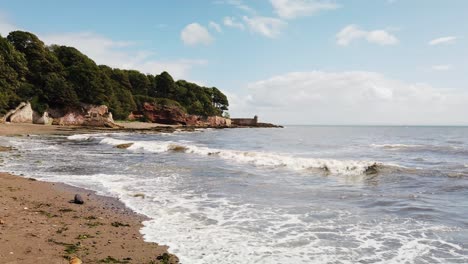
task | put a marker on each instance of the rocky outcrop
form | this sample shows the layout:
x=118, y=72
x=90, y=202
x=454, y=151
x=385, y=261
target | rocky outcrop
x=87, y=115
x=43, y=119
x=21, y=114
x=161, y=114
x=172, y=115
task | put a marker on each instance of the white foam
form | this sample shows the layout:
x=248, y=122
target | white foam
x=203, y=229
x=260, y=159
x=80, y=137
x=396, y=146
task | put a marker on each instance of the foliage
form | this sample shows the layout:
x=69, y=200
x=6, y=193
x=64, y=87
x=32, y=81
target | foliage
x=63, y=77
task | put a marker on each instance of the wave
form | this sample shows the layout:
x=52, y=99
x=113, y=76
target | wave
x=446, y=149
x=259, y=159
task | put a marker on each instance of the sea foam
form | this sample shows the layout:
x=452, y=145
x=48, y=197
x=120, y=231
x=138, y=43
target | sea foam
x=259, y=159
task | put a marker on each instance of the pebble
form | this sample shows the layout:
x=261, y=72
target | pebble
x=78, y=199
x=75, y=260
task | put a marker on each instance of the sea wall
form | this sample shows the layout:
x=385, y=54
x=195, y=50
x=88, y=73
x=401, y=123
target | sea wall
x=245, y=121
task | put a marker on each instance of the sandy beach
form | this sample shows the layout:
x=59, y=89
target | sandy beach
x=40, y=224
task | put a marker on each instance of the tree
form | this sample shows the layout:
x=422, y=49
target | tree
x=13, y=68
x=63, y=77
x=82, y=74
x=165, y=85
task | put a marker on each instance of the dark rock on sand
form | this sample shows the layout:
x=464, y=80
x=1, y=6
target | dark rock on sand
x=124, y=146
x=78, y=199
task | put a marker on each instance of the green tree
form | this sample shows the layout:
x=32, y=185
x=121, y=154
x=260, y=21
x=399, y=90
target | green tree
x=82, y=74
x=13, y=68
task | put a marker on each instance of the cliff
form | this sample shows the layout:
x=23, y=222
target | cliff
x=172, y=115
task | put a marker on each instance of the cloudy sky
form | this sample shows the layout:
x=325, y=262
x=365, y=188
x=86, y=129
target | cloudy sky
x=396, y=62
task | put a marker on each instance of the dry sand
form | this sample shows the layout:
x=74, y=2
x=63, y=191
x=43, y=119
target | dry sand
x=38, y=224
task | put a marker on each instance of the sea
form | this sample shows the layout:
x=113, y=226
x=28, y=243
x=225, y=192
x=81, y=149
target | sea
x=299, y=194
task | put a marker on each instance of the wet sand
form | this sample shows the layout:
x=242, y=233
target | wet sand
x=39, y=224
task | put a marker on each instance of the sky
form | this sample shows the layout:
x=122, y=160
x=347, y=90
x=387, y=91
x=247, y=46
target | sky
x=337, y=62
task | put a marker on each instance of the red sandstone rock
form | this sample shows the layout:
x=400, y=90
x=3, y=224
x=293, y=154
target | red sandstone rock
x=174, y=116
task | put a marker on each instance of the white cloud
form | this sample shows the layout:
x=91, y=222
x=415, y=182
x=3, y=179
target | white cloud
x=443, y=40
x=296, y=8
x=351, y=33
x=442, y=67
x=267, y=26
x=116, y=54
x=319, y=97
x=232, y=22
x=239, y=4
x=195, y=34
x=119, y=54
x=215, y=26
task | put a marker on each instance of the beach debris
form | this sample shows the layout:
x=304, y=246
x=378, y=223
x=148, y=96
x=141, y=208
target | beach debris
x=124, y=146
x=119, y=224
x=141, y=195
x=4, y=149
x=178, y=148
x=75, y=260
x=78, y=199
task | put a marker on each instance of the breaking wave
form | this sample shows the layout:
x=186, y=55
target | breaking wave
x=259, y=159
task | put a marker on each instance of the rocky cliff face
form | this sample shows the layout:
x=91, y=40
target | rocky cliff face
x=86, y=115
x=174, y=116
x=21, y=114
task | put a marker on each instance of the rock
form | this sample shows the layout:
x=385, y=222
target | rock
x=21, y=114
x=4, y=149
x=86, y=115
x=78, y=199
x=75, y=260
x=173, y=115
x=2, y=222
x=124, y=146
x=43, y=119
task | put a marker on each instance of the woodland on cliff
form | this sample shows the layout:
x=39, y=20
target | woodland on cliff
x=62, y=77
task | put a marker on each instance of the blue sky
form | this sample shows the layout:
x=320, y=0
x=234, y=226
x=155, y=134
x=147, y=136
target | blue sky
x=289, y=61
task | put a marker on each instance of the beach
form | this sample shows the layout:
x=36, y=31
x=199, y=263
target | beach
x=38, y=222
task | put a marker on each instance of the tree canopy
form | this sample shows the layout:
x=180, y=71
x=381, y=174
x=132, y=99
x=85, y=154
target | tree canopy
x=62, y=77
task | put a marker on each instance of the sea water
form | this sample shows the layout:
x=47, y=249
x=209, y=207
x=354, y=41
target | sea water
x=302, y=194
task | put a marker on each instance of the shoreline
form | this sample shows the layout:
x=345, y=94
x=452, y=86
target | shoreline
x=38, y=222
